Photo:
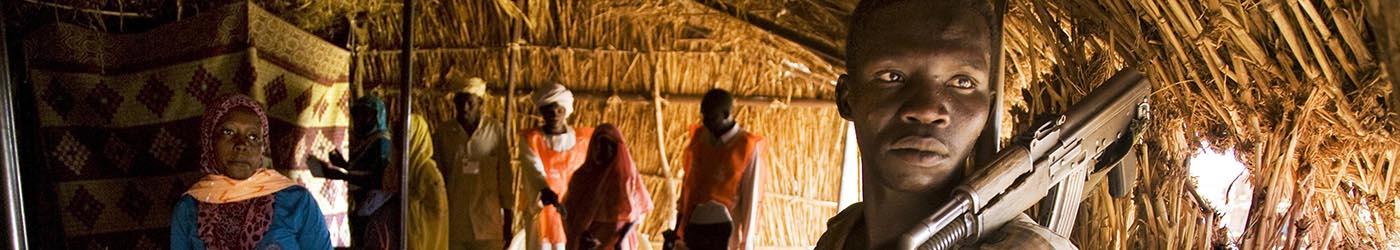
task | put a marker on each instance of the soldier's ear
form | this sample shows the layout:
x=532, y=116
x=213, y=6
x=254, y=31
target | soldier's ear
x=843, y=92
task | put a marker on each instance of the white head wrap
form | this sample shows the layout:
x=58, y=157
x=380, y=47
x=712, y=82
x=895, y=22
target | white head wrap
x=555, y=93
x=474, y=86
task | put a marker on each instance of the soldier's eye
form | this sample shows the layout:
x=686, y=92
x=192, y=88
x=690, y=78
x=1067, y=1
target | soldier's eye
x=889, y=76
x=962, y=82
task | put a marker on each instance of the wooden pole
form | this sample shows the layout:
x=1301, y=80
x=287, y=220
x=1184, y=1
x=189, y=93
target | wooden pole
x=358, y=44
x=989, y=142
x=695, y=99
x=511, y=138
x=1386, y=25
x=558, y=49
x=661, y=142
x=685, y=98
x=828, y=52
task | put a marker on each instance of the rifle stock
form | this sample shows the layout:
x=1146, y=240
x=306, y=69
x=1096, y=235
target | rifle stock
x=1093, y=134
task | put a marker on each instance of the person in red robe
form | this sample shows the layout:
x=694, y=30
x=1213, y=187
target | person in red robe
x=607, y=198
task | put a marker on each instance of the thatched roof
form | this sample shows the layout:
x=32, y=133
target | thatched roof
x=1295, y=87
x=1301, y=89
x=640, y=49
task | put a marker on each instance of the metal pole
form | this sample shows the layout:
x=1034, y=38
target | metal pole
x=406, y=110
x=9, y=152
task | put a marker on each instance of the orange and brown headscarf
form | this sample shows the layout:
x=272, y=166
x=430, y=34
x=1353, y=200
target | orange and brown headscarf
x=233, y=214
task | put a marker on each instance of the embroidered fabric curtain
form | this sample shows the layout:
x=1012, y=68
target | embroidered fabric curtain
x=119, y=115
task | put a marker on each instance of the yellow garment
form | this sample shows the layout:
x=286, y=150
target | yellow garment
x=427, y=197
x=219, y=189
x=479, y=178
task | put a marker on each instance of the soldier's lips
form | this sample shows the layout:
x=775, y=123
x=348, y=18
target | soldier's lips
x=923, y=159
x=243, y=163
x=919, y=151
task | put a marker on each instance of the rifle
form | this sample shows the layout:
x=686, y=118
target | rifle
x=1098, y=131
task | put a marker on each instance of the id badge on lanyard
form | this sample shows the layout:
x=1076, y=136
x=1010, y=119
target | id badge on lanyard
x=469, y=166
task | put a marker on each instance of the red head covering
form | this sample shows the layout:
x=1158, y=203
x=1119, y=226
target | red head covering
x=237, y=224
x=607, y=191
x=209, y=128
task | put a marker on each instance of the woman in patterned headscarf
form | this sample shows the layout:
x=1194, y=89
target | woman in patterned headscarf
x=364, y=170
x=606, y=197
x=241, y=203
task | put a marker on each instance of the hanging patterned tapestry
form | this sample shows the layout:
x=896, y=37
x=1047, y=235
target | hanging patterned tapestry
x=119, y=115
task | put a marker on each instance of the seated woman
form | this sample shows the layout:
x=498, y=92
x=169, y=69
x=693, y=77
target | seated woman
x=241, y=203
x=606, y=197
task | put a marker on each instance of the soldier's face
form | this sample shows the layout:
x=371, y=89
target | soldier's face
x=917, y=92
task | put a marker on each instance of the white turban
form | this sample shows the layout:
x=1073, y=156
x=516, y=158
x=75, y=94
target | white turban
x=474, y=86
x=555, y=93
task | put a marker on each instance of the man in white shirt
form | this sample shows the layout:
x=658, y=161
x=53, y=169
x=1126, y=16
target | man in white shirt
x=473, y=157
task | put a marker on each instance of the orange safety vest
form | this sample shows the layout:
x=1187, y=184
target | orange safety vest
x=558, y=168
x=715, y=172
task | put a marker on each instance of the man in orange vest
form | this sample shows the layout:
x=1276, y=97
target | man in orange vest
x=720, y=193
x=551, y=154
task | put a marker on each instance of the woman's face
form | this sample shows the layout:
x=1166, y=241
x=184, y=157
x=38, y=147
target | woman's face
x=365, y=118
x=240, y=145
x=604, y=150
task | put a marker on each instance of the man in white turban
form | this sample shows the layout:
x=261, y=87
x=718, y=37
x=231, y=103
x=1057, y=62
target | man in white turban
x=555, y=94
x=549, y=155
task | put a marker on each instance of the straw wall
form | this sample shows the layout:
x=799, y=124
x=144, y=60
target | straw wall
x=1293, y=86
x=643, y=49
x=1301, y=89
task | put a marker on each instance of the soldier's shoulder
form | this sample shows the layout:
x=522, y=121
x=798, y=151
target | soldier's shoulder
x=840, y=227
x=1024, y=234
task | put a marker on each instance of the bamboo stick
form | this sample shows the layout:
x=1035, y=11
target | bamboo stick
x=92, y=11
x=666, y=169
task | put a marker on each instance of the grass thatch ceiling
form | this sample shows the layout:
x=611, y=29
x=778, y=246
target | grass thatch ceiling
x=1302, y=89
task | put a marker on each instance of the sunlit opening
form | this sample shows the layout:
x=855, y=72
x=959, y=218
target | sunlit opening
x=1224, y=183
